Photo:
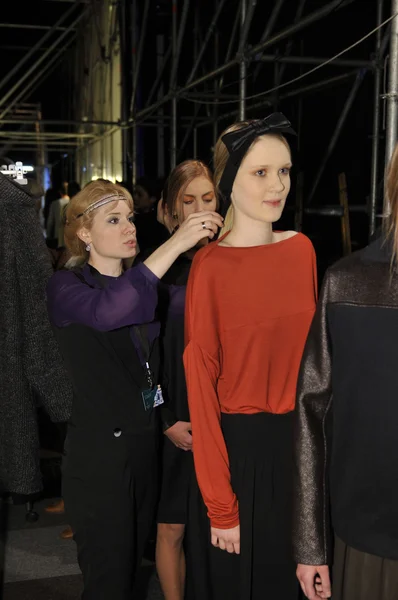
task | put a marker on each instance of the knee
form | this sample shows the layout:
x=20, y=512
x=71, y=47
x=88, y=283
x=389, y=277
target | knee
x=171, y=534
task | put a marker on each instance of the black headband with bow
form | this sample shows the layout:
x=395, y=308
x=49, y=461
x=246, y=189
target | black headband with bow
x=238, y=142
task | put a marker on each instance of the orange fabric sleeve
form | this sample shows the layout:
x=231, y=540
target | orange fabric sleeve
x=202, y=369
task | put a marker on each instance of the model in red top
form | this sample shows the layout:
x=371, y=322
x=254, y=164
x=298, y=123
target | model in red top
x=250, y=301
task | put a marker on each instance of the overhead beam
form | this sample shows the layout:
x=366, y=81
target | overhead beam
x=29, y=26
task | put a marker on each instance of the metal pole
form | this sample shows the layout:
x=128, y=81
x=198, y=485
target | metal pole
x=125, y=25
x=137, y=65
x=36, y=47
x=284, y=34
x=242, y=67
x=28, y=26
x=376, y=125
x=189, y=130
x=309, y=60
x=134, y=132
x=268, y=30
x=173, y=129
x=29, y=72
x=160, y=124
x=206, y=40
x=195, y=143
x=246, y=20
x=267, y=100
x=392, y=94
x=289, y=46
x=178, y=46
x=340, y=124
x=159, y=75
x=230, y=46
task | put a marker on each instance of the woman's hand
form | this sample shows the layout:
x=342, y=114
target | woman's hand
x=180, y=435
x=314, y=581
x=226, y=539
x=196, y=227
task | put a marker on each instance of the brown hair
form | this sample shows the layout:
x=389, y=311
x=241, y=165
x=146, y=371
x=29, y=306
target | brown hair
x=178, y=181
x=391, y=222
x=75, y=220
x=220, y=159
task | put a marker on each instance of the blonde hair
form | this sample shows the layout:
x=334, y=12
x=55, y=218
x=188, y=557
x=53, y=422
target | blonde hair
x=220, y=159
x=75, y=219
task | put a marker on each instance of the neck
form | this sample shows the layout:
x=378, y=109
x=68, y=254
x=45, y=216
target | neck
x=247, y=232
x=106, y=266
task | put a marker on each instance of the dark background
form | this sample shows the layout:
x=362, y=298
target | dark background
x=320, y=110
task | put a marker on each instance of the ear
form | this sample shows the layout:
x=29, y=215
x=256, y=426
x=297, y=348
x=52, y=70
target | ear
x=84, y=235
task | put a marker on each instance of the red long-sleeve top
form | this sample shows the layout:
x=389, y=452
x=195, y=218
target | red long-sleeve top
x=248, y=312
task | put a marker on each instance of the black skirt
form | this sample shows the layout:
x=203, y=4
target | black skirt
x=177, y=474
x=260, y=454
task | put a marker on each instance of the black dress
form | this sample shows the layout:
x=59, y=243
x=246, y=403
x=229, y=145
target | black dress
x=180, y=499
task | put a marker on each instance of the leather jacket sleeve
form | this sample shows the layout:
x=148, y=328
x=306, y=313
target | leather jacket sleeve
x=311, y=520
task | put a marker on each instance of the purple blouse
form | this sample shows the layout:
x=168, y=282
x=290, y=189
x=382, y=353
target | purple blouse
x=130, y=299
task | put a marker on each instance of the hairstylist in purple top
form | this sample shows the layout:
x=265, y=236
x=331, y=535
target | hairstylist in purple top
x=103, y=318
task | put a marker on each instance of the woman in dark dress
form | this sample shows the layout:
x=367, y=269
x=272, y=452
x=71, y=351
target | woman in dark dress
x=189, y=189
x=104, y=323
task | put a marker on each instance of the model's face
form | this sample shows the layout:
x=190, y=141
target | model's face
x=112, y=234
x=262, y=183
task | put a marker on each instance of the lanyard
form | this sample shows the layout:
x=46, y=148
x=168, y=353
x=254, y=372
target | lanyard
x=141, y=334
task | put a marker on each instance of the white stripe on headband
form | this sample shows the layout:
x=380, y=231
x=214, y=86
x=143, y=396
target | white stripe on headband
x=102, y=202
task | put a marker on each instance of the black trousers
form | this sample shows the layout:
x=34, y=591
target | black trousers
x=110, y=494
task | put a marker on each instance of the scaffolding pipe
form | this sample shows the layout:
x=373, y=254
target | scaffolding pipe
x=242, y=66
x=137, y=66
x=376, y=125
x=28, y=26
x=29, y=72
x=313, y=87
x=230, y=46
x=178, y=46
x=206, y=40
x=284, y=34
x=134, y=132
x=289, y=46
x=268, y=30
x=35, y=48
x=189, y=130
x=392, y=94
x=339, y=126
x=246, y=22
x=312, y=60
x=159, y=75
x=173, y=131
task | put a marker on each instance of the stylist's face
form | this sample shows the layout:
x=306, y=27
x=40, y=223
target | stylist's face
x=113, y=233
x=199, y=196
x=262, y=183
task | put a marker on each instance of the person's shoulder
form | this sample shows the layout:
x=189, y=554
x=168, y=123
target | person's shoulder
x=64, y=277
x=303, y=240
x=202, y=256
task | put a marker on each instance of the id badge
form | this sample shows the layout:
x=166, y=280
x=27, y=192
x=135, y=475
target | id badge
x=158, y=400
x=148, y=398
